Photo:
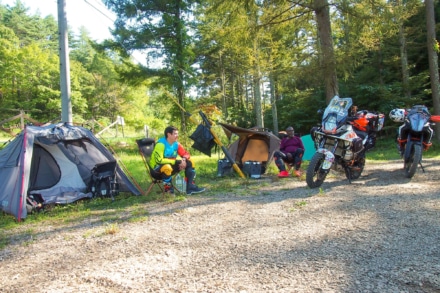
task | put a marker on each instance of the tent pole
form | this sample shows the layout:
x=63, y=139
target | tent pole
x=23, y=196
x=216, y=139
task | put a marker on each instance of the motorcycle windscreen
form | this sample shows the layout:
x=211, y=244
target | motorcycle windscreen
x=417, y=121
x=339, y=109
x=335, y=113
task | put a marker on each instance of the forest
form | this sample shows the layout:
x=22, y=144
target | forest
x=265, y=63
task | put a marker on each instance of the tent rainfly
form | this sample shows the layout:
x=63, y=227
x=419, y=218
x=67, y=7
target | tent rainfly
x=54, y=162
x=253, y=144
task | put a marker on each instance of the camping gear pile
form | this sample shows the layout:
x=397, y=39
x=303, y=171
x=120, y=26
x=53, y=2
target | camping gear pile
x=54, y=164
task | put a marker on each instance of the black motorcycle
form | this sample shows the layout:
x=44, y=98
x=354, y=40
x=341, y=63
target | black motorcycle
x=414, y=136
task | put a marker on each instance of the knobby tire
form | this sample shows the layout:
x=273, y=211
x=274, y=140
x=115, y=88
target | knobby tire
x=314, y=176
x=414, y=159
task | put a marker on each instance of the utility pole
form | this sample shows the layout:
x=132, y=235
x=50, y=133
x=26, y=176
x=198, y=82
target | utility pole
x=66, y=102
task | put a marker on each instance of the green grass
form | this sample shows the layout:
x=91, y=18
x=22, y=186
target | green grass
x=386, y=150
x=129, y=208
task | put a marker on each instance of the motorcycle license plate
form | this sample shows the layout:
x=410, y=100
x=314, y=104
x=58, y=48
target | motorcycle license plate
x=326, y=165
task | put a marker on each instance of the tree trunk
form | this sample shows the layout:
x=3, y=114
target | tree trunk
x=328, y=62
x=433, y=60
x=257, y=100
x=273, y=103
x=180, y=64
x=404, y=62
x=223, y=87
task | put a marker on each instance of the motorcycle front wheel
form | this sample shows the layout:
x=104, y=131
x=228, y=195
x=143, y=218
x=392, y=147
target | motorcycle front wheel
x=315, y=176
x=413, y=160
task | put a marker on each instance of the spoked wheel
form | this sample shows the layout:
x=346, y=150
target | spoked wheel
x=315, y=176
x=355, y=171
x=414, y=159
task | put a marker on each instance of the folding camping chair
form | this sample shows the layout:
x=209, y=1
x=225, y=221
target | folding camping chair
x=290, y=165
x=146, y=146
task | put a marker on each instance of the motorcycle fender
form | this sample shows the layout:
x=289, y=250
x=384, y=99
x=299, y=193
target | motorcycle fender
x=329, y=158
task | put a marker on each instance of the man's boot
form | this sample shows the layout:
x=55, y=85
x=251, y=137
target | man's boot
x=191, y=187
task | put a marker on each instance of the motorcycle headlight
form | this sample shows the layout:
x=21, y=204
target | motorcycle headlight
x=329, y=125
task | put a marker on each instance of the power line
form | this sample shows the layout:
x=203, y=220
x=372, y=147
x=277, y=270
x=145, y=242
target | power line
x=100, y=11
x=101, y=4
x=112, y=20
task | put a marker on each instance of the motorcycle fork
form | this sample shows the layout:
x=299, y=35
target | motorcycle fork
x=333, y=150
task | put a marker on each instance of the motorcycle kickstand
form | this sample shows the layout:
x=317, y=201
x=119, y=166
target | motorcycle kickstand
x=421, y=166
x=348, y=170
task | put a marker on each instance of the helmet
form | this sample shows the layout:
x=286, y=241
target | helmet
x=397, y=115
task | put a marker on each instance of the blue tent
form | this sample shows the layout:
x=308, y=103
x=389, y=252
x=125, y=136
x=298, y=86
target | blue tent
x=54, y=162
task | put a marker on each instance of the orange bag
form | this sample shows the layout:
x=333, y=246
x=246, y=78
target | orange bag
x=361, y=123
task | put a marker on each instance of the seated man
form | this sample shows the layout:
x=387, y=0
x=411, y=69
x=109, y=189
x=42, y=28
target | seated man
x=164, y=163
x=291, y=152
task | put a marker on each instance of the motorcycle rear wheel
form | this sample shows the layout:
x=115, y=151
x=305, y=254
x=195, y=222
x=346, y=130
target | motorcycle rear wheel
x=355, y=171
x=414, y=159
x=315, y=176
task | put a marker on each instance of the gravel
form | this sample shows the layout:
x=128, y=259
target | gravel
x=379, y=234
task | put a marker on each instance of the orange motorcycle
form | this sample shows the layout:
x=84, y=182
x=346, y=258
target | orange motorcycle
x=342, y=139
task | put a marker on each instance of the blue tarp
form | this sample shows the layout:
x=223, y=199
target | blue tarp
x=309, y=146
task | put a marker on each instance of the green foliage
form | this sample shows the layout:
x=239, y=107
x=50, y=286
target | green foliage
x=215, y=53
x=31, y=79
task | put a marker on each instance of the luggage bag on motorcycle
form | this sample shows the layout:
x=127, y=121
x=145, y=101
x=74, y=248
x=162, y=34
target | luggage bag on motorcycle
x=357, y=145
x=369, y=121
x=435, y=118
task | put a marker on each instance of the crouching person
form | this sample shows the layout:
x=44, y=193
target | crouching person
x=291, y=153
x=164, y=162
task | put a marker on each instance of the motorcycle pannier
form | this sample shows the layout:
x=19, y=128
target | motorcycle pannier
x=376, y=121
x=357, y=144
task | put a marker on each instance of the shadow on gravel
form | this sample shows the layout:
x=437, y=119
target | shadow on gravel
x=383, y=235
x=379, y=234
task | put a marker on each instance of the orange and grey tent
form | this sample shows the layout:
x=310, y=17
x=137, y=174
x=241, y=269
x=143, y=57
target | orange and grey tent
x=253, y=144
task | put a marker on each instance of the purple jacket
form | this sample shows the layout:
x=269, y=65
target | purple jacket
x=290, y=144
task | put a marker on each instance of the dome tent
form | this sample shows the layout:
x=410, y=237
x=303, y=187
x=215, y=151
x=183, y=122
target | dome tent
x=54, y=162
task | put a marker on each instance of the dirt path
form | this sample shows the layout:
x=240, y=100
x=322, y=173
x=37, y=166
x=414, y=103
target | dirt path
x=379, y=234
